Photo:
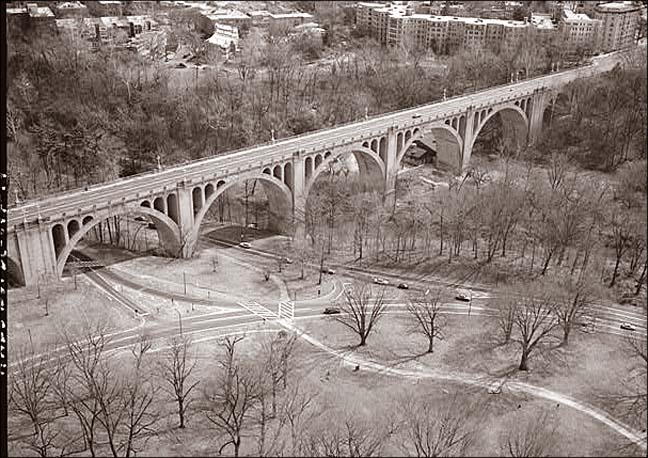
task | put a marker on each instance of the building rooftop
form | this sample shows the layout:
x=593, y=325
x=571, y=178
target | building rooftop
x=570, y=16
x=616, y=7
x=542, y=21
x=70, y=6
x=41, y=11
x=291, y=15
x=224, y=14
x=370, y=5
x=400, y=11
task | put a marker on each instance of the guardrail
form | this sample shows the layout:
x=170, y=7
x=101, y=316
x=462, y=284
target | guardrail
x=248, y=149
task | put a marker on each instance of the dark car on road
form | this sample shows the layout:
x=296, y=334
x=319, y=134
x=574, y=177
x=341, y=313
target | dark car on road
x=403, y=286
x=331, y=311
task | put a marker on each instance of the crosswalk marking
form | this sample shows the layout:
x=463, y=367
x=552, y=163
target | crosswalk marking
x=258, y=309
x=286, y=310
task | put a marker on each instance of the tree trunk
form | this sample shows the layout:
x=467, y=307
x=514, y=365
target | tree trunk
x=237, y=445
x=616, y=271
x=431, y=345
x=641, y=279
x=181, y=412
x=363, y=339
x=523, y=361
x=566, y=331
x=546, y=264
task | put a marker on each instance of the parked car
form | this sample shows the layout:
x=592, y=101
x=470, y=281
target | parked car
x=245, y=245
x=403, y=286
x=416, y=116
x=627, y=327
x=328, y=270
x=287, y=260
x=381, y=281
x=141, y=219
x=463, y=296
x=181, y=65
x=331, y=311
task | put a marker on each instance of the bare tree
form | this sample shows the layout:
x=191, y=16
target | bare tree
x=176, y=369
x=232, y=397
x=570, y=302
x=428, y=430
x=32, y=395
x=298, y=409
x=633, y=401
x=139, y=395
x=87, y=380
x=361, y=310
x=351, y=437
x=533, y=319
x=530, y=438
x=277, y=353
x=505, y=307
x=425, y=313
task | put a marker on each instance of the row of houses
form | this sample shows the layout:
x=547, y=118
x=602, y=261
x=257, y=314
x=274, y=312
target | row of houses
x=613, y=26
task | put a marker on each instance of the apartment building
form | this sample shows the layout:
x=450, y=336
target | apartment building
x=619, y=24
x=31, y=17
x=396, y=23
x=579, y=31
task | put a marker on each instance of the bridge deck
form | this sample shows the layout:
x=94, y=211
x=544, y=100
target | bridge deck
x=240, y=161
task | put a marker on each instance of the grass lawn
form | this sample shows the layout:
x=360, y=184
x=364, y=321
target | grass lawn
x=26, y=312
x=230, y=278
x=587, y=369
x=373, y=397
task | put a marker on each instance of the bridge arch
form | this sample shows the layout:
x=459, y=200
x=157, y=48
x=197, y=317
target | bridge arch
x=278, y=193
x=449, y=143
x=167, y=229
x=512, y=116
x=369, y=163
x=14, y=272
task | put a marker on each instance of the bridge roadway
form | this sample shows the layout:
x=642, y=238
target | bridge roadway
x=239, y=161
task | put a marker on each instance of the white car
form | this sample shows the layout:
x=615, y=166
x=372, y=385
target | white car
x=627, y=327
x=245, y=245
x=380, y=281
x=462, y=296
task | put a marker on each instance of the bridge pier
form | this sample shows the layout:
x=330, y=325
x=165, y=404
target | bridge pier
x=538, y=103
x=467, y=139
x=391, y=167
x=33, y=249
x=185, y=219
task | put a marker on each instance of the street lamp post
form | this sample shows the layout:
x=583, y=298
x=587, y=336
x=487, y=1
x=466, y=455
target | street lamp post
x=179, y=321
x=470, y=303
x=184, y=279
x=159, y=165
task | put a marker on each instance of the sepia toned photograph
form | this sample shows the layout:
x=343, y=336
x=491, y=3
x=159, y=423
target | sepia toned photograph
x=324, y=229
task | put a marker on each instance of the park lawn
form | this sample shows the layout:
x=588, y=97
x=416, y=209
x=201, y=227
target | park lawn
x=26, y=312
x=374, y=396
x=232, y=279
x=587, y=369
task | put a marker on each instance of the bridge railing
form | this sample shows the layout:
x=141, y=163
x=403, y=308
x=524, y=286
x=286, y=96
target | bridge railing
x=289, y=139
